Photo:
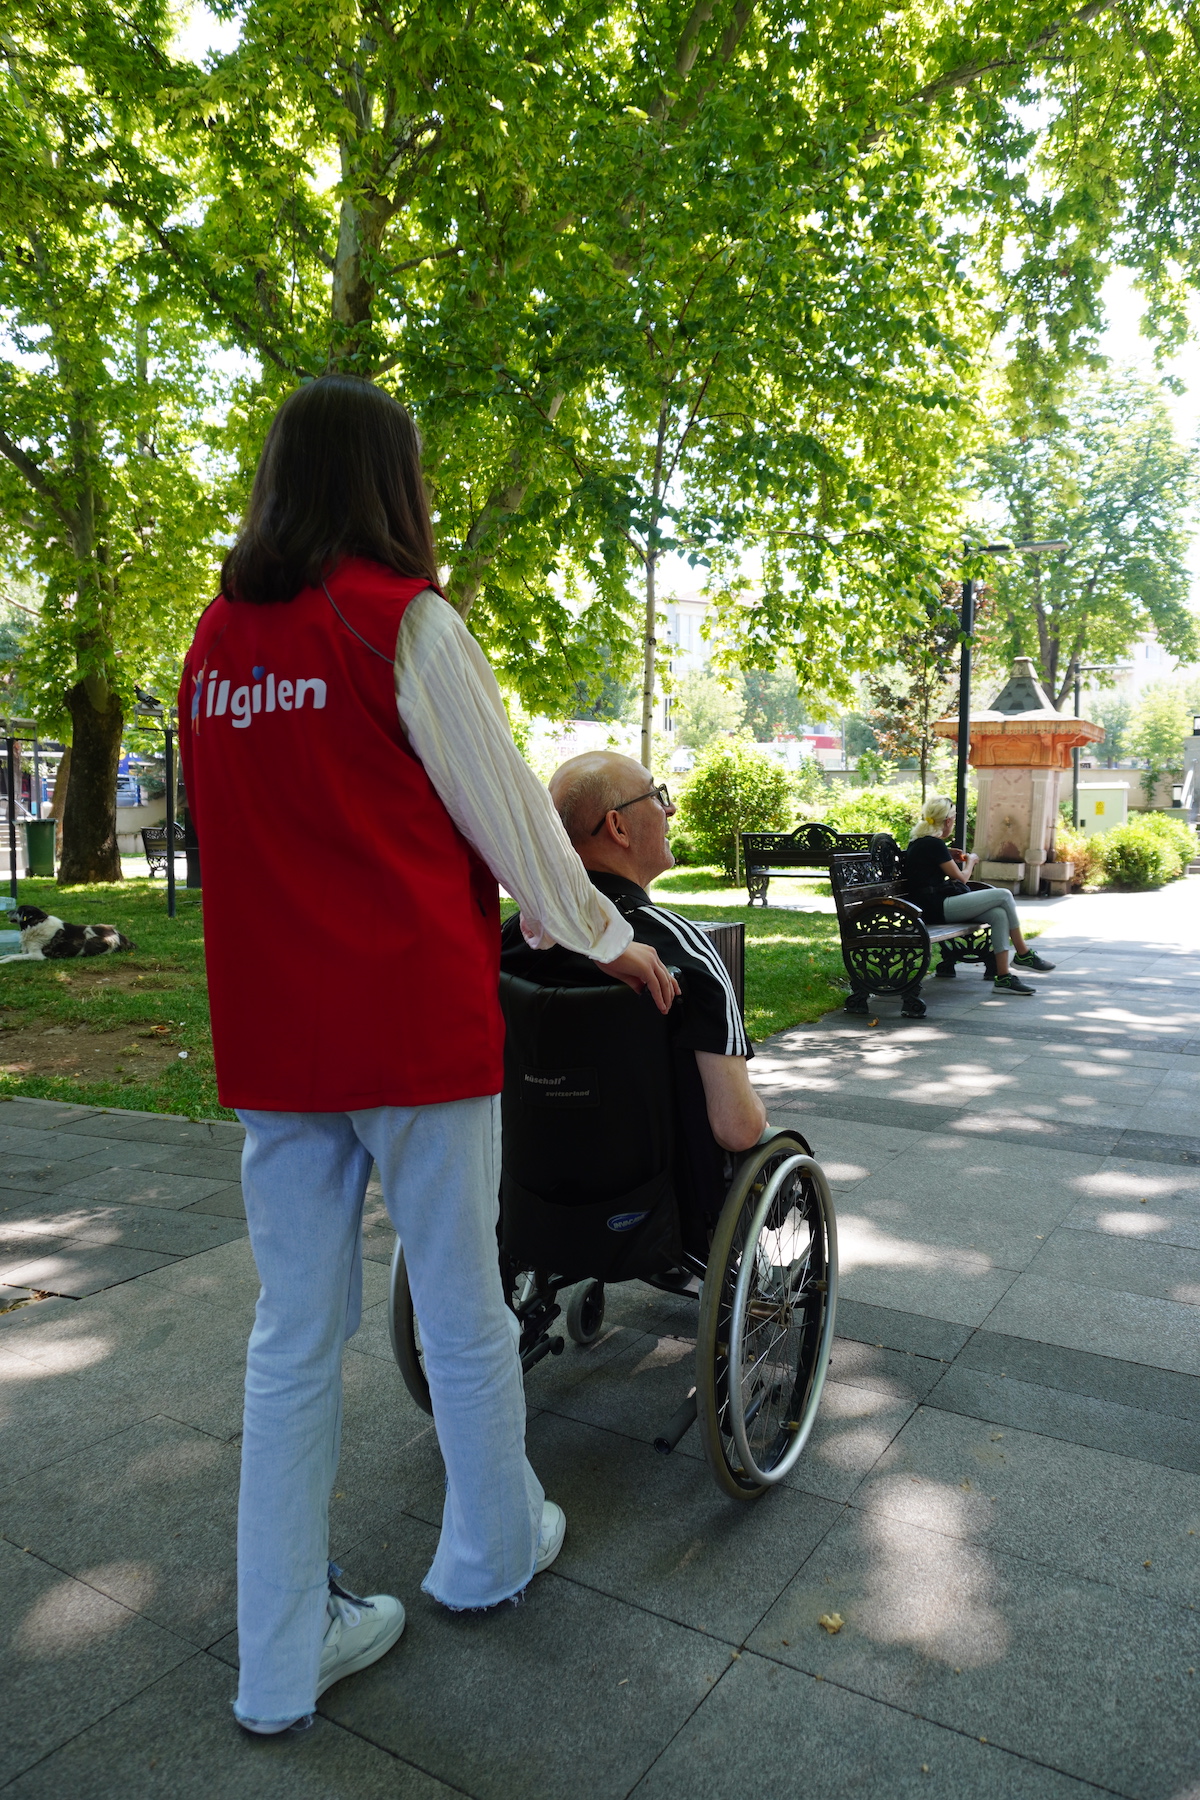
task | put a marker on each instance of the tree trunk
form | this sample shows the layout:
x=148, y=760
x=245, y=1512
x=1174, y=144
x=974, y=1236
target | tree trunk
x=90, y=850
x=651, y=644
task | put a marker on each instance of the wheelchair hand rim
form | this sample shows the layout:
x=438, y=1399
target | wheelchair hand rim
x=746, y=1272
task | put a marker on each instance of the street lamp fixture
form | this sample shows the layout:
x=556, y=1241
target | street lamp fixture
x=1003, y=547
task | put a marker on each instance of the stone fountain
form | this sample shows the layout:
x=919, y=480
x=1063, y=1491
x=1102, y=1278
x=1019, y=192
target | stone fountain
x=1020, y=748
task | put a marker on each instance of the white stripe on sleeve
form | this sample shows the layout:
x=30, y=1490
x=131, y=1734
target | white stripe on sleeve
x=701, y=947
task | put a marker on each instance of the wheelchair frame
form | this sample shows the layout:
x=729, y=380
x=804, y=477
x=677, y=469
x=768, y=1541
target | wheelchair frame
x=765, y=1326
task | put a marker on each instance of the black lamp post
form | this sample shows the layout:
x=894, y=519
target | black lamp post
x=1026, y=547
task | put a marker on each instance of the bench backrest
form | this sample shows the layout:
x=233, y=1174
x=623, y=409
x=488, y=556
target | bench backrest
x=154, y=837
x=809, y=846
x=877, y=874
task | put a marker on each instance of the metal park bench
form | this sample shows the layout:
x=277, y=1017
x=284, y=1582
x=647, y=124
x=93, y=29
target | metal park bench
x=767, y=853
x=154, y=843
x=886, y=944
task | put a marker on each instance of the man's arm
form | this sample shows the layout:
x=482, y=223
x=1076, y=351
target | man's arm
x=736, y=1115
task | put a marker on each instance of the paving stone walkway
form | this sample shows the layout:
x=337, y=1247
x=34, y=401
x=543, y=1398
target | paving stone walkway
x=1002, y=1498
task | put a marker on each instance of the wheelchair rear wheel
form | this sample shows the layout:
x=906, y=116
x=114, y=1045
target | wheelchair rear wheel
x=406, y=1333
x=766, y=1317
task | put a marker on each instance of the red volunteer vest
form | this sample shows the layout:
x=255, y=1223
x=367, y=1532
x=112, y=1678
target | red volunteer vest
x=351, y=933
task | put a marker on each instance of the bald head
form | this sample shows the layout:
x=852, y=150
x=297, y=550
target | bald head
x=586, y=787
x=596, y=790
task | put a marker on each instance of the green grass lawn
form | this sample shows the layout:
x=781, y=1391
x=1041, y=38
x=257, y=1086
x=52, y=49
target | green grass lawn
x=108, y=1030
x=794, y=968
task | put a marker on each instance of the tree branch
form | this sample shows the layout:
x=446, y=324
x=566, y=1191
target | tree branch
x=34, y=476
x=165, y=241
x=968, y=73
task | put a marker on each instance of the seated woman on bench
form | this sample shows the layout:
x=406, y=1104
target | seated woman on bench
x=936, y=871
x=617, y=820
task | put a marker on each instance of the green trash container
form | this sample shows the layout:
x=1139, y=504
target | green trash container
x=39, y=845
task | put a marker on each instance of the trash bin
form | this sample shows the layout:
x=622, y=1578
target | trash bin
x=39, y=845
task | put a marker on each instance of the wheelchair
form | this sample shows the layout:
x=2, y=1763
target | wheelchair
x=588, y=1197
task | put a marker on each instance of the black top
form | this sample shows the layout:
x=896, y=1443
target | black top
x=927, y=885
x=707, y=1017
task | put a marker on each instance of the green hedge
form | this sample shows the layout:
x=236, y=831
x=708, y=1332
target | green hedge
x=733, y=788
x=894, y=809
x=1148, y=851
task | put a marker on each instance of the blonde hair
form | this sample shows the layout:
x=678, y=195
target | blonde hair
x=934, y=813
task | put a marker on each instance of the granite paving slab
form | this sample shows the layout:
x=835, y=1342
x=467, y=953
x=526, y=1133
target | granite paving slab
x=226, y=1203
x=571, y=1691
x=889, y=1270
x=177, y=1739
x=75, y=1269
x=1109, y=1378
x=142, y=1187
x=1103, y=1320
x=146, y=1517
x=768, y=1729
x=891, y=1329
x=70, y=1656
x=1000, y=1495
x=1130, y=1264
x=1111, y=1518
x=654, y=1531
x=1127, y=1431
x=1049, y=1666
x=177, y=1233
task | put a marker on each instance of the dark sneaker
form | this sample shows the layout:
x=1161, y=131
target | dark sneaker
x=1031, y=960
x=1009, y=984
x=945, y=971
x=857, y=1004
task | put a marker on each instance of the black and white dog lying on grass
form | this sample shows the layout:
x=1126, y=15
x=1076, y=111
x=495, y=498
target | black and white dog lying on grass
x=44, y=937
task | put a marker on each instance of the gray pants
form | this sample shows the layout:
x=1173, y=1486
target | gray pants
x=994, y=907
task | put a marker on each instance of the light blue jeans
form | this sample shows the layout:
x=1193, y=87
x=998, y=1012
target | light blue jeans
x=993, y=907
x=304, y=1176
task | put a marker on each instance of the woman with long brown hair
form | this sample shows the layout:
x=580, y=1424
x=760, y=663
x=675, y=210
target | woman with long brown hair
x=357, y=795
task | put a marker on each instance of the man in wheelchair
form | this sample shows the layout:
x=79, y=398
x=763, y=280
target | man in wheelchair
x=617, y=819
x=634, y=1148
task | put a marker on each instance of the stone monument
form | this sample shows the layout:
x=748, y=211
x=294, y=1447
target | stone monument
x=1020, y=748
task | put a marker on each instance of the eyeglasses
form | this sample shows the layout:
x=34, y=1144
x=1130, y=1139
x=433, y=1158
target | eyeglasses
x=658, y=792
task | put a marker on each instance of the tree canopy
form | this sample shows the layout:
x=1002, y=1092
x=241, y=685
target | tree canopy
x=1111, y=479
x=712, y=278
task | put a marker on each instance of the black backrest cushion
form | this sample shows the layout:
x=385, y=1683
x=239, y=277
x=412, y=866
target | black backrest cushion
x=587, y=1101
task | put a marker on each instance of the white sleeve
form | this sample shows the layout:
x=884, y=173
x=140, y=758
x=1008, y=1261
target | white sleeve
x=450, y=706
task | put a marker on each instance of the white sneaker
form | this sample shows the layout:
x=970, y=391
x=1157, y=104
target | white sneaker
x=359, y=1632
x=551, y=1535
x=278, y=1727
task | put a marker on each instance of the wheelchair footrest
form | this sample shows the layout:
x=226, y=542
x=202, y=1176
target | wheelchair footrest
x=546, y=1346
x=677, y=1427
